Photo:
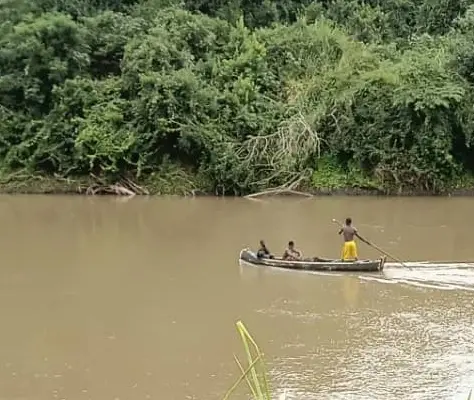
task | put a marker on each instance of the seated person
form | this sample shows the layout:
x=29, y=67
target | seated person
x=263, y=252
x=291, y=253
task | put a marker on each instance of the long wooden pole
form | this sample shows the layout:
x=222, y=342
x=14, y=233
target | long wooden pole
x=376, y=247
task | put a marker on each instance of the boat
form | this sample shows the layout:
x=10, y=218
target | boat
x=313, y=264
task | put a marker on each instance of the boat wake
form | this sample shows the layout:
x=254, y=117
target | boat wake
x=446, y=275
x=428, y=274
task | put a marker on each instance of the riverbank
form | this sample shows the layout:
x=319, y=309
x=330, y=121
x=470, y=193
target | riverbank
x=131, y=88
x=180, y=184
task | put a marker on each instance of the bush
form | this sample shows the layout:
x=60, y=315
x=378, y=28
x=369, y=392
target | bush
x=240, y=95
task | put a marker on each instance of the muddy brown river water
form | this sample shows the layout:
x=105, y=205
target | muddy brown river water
x=113, y=299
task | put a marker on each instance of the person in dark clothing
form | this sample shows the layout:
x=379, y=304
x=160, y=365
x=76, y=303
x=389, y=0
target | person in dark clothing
x=263, y=251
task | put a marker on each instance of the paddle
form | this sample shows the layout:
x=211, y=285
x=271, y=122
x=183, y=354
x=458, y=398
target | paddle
x=376, y=247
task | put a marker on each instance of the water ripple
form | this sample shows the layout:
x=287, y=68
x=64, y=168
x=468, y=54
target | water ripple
x=427, y=354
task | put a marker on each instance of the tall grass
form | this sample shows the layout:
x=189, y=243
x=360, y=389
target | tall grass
x=255, y=373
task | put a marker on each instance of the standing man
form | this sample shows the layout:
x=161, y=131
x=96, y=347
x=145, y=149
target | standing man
x=349, y=250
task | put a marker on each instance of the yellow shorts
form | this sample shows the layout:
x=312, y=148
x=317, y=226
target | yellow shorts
x=349, y=251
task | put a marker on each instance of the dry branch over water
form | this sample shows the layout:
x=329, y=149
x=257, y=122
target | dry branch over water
x=236, y=98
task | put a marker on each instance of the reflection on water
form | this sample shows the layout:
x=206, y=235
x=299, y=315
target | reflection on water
x=103, y=299
x=398, y=344
x=350, y=290
x=398, y=356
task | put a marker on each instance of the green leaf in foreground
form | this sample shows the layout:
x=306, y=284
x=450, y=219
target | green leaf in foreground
x=255, y=373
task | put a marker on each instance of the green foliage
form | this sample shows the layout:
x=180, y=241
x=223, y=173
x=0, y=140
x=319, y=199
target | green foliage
x=330, y=175
x=239, y=96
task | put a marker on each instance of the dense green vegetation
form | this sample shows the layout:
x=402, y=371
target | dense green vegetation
x=236, y=96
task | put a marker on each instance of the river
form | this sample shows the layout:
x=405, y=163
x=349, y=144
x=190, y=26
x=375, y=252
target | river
x=109, y=298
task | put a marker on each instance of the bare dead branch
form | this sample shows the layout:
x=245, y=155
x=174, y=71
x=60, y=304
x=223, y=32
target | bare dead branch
x=280, y=155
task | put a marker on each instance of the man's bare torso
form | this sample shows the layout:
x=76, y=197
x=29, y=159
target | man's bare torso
x=348, y=232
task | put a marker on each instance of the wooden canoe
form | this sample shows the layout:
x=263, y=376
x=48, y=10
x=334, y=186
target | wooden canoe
x=313, y=264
